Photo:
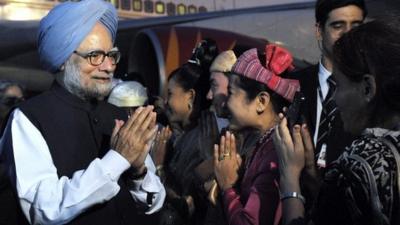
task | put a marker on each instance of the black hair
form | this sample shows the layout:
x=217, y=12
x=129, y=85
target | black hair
x=239, y=49
x=204, y=53
x=373, y=48
x=191, y=76
x=7, y=103
x=5, y=84
x=324, y=7
x=6, y=100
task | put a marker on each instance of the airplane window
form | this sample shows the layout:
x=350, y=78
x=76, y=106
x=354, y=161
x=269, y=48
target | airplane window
x=160, y=7
x=126, y=4
x=148, y=6
x=137, y=5
x=181, y=9
x=192, y=9
x=202, y=9
x=171, y=9
x=114, y=2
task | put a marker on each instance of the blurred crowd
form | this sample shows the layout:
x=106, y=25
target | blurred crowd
x=240, y=136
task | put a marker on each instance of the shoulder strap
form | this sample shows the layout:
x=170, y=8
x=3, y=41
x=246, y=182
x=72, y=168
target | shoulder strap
x=378, y=217
x=396, y=155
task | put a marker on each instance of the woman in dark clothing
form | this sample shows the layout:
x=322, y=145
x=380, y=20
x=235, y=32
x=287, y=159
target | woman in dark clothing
x=187, y=88
x=361, y=186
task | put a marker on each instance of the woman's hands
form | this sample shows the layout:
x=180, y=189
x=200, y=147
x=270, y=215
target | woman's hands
x=295, y=150
x=290, y=150
x=296, y=155
x=226, y=161
x=159, y=150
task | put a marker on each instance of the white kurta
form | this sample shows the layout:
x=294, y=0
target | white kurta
x=46, y=198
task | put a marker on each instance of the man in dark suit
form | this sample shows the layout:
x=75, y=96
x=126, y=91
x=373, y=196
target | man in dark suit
x=333, y=19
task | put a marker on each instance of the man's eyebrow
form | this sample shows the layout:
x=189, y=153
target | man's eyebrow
x=357, y=21
x=337, y=22
x=344, y=22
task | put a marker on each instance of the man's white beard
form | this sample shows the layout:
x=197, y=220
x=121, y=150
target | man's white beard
x=72, y=82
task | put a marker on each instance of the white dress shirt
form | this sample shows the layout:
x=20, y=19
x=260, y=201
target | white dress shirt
x=323, y=75
x=221, y=122
x=46, y=198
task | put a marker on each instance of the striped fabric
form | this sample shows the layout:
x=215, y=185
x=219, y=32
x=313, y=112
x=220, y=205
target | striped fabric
x=278, y=61
x=329, y=110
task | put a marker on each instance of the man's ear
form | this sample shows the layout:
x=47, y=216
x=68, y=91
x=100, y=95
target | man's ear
x=318, y=32
x=369, y=87
x=262, y=101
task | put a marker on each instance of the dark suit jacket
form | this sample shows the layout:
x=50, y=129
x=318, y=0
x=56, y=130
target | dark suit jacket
x=337, y=139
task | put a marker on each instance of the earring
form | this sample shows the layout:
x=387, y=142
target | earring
x=259, y=111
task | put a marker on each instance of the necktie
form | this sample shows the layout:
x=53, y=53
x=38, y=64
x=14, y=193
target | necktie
x=328, y=114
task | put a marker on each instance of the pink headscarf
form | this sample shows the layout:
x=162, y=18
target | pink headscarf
x=278, y=60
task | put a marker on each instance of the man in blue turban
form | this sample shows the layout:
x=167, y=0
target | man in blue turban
x=72, y=158
x=66, y=26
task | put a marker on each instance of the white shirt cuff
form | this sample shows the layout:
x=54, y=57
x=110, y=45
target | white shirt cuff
x=114, y=164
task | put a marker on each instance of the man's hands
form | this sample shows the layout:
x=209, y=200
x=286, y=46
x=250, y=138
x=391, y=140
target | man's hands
x=133, y=138
x=226, y=161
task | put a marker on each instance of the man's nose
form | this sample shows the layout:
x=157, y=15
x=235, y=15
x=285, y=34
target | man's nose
x=209, y=95
x=107, y=65
x=346, y=29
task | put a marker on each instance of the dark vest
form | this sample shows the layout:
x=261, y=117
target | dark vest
x=76, y=133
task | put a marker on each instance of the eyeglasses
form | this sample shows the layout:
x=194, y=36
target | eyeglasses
x=97, y=57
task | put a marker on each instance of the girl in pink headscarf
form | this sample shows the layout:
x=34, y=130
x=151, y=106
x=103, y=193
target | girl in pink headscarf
x=257, y=93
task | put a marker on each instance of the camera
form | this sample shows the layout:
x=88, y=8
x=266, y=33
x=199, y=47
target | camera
x=296, y=110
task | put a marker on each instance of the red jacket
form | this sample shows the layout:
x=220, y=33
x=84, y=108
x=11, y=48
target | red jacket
x=257, y=198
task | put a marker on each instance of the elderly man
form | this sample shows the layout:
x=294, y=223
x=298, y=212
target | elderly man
x=57, y=148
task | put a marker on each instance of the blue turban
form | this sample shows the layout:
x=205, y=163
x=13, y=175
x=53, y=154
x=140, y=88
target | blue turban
x=66, y=26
